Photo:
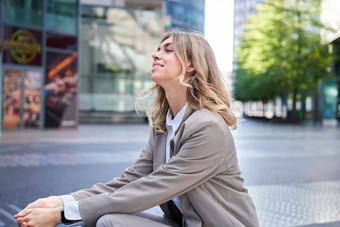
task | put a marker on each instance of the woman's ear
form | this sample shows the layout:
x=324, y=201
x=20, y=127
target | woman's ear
x=190, y=68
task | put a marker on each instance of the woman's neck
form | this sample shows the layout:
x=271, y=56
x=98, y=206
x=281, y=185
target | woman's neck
x=177, y=99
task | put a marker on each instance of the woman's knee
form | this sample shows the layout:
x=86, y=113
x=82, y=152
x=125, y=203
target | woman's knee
x=129, y=220
x=110, y=220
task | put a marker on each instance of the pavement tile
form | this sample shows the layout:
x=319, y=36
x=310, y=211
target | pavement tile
x=297, y=204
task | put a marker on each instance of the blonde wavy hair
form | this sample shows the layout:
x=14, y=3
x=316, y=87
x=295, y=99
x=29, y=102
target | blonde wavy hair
x=206, y=88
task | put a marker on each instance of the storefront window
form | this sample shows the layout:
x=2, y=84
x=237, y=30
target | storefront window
x=25, y=12
x=116, y=46
x=62, y=16
x=21, y=104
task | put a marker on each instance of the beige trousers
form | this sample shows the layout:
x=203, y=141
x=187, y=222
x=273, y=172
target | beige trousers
x=143, y=219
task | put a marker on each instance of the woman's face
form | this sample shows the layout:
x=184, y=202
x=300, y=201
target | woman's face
x=166, y=67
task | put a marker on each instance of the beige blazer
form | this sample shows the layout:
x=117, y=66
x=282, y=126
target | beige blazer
x=203, y=171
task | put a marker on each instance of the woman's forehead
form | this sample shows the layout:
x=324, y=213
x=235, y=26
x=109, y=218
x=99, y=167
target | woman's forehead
x=167, y=40
x=166, y=43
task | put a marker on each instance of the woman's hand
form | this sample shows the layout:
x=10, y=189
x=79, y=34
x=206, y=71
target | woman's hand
x=44, y=205
x=40, y=217
x=49, y=202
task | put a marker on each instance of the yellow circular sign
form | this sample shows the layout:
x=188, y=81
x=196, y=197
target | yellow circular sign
x=26, y=48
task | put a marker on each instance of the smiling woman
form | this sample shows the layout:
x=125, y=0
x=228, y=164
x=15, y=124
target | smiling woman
x=189, y=166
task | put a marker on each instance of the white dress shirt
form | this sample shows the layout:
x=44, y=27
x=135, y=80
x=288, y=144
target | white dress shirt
x=71, y=209
x=172, y=126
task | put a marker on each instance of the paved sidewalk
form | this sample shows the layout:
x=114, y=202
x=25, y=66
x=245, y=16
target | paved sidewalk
x=292, y=172
x=297, y=204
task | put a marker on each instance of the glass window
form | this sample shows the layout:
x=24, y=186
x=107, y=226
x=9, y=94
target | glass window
x=116, y=45
x=27, y=12
x=21, y=103
x=62, y=16
x=198, y=18
x=61, y=41
x=199, y=5
x=178, y=11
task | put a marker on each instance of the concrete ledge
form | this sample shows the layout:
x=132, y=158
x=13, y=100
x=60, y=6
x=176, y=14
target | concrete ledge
x=111, y=118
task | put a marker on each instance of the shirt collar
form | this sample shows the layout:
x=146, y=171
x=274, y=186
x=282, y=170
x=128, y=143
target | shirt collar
x=174, y=123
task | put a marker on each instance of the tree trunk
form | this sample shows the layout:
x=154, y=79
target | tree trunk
x=294, y=113
x=284, y=107
x=303, y=105
x=316, y=115
x=263, y=109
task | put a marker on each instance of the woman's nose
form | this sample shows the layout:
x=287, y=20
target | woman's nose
x=155, y=56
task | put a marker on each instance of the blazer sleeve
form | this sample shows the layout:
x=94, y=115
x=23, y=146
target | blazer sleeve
x=142, y=166
x=199, y=159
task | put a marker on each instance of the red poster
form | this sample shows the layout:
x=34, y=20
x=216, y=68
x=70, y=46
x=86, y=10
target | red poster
x=61, y=90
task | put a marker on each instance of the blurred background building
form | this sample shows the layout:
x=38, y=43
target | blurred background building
x=116, y=48
x=39, y=74
x=65, y=62
x=187, y=15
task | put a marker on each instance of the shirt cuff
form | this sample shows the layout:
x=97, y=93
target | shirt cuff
x=71, y=210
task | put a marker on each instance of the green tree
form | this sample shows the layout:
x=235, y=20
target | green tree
x=281, y=51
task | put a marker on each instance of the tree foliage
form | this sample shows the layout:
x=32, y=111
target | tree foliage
x=281, y=50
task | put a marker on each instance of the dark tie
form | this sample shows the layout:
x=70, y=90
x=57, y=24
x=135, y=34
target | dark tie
x=176, y=213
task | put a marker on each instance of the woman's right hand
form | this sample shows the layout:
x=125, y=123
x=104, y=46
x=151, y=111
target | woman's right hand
x=49, y=202
x=40, y=217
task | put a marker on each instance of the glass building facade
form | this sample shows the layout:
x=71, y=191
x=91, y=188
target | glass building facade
x=116, y=47
x=187, y=15
x=39, y=58
x=60, y=58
